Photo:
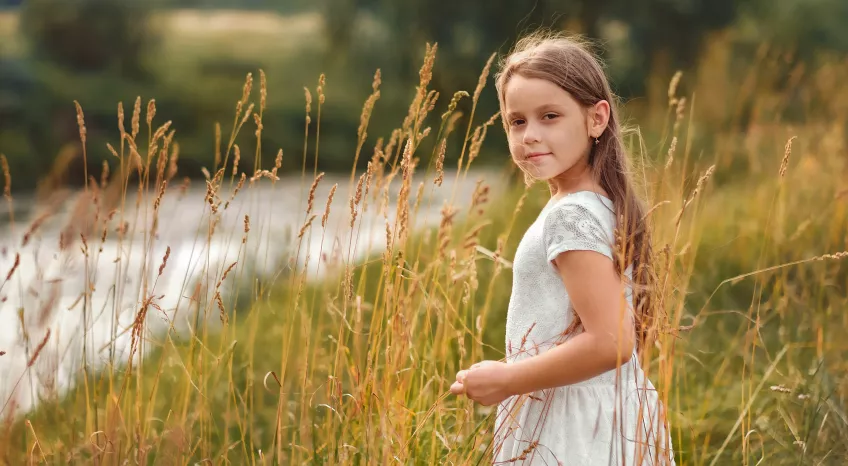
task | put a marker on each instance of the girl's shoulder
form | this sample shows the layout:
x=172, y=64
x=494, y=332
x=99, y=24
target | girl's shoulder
x=589, y=202
x=581, y=220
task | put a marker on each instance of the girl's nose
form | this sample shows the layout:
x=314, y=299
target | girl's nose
x=531, y=135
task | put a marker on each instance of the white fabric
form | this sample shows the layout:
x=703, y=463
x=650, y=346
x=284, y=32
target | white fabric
x=607, y=420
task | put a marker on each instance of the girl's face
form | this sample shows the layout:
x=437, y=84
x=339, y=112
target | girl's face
x=549, y=132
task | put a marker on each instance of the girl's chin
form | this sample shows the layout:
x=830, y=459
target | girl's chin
x=542, y=176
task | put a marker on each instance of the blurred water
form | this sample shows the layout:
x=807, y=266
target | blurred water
x=48, y=284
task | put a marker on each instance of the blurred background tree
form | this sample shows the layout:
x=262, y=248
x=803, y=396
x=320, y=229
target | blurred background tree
x=192, y=56
x=89, y=35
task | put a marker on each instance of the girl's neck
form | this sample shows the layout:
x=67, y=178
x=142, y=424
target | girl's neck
x=574, y=180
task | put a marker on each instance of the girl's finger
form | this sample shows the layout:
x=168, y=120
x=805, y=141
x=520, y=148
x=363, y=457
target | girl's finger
x=460, y=376
x=457, y=388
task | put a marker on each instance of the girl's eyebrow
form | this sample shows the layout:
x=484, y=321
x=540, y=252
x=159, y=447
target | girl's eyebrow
x=547, y=107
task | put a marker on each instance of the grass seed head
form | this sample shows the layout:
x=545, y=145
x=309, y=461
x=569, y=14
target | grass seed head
x=306, y=226
x=134, y=122
x=311, y=199
x=121, y=128
x=787, y=151
x=151, y=111
x=454, y=102
x=104, y=175
x=246, y=228
x=308, y=96
x=38, y=349
x=7, y=177
x=223, y=313
x=165, y=259
x=320, y=89
x=672, y=88
x=172, y=162
x=671, y=150
x=258, y=121
x=80, y=122
x=355, y=199
x=248, y=86
x=679, y=113
x=481, y=81
x=236, y=158
x=263, y=90
x=327, y=207
x=278, y=162
x=247, y=114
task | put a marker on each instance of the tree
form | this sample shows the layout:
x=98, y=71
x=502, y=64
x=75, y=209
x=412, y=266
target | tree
x=90, y=35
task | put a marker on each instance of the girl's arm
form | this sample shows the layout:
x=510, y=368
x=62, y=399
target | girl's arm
x=596, y=292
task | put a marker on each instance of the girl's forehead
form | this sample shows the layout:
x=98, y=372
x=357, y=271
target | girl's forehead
x=527, y=92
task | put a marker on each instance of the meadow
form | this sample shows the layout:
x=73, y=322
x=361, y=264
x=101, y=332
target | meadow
x=749, y=210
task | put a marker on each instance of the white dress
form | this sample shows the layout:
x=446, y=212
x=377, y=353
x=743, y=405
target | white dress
x=611, y=419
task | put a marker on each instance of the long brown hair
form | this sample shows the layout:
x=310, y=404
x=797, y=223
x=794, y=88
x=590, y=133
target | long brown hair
x=568, y=63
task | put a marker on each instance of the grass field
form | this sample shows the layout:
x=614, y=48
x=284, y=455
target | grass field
x=750, y=219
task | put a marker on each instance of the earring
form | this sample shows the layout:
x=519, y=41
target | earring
x=597, y=141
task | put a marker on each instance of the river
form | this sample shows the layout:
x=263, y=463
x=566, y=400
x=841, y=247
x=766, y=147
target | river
x=47, y=290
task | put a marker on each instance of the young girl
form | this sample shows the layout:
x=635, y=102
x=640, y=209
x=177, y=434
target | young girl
x=572, y=391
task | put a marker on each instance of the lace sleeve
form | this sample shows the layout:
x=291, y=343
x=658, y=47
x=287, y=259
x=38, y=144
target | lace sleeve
x=570, y=227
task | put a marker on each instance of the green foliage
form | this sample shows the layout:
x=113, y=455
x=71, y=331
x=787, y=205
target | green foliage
x=90, y=35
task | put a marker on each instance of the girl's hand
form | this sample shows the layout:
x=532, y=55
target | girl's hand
x=486, y=382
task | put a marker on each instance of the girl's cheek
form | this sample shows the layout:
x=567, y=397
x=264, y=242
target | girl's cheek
x=513, y=148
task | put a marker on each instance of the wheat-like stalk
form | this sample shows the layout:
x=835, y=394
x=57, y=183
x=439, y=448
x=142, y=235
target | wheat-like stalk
x=151, y=111
x=440, y=163
x=134, y=122
x=698, y=187
x=310, y=201
x=38, y=349
x=671, y=149
x=356, y=198
x=246, y=228
x=278, y=162
x=305, y=226
x=481, y=81
x=121, y=128
x=263, y=90
x=680, y=112
x=672, y=88
x=172, y=162
x=7, y=177
x=327, y=207
x=786, y=152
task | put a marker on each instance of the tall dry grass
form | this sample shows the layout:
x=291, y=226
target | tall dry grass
x=749, y=208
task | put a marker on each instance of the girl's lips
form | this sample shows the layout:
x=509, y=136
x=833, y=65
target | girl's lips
x=534, y=155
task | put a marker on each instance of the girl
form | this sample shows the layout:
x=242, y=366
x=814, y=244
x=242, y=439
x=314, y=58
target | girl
x=572, y=391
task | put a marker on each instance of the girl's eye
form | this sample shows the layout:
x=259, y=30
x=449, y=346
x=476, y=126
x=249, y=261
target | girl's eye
x=549, y=116
x=517, y=122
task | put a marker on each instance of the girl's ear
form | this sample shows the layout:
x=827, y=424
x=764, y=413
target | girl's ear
x=598, y=116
